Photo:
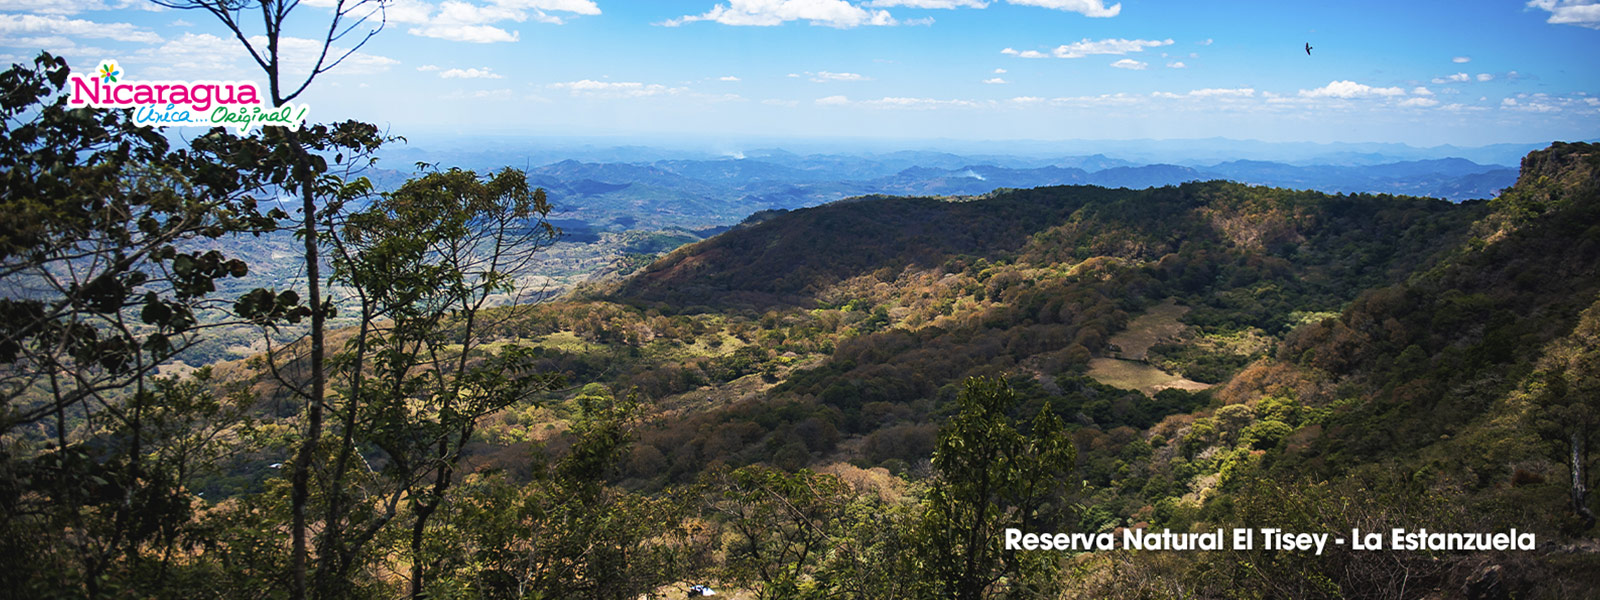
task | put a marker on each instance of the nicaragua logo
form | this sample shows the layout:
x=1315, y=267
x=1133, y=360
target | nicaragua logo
x=236, y=104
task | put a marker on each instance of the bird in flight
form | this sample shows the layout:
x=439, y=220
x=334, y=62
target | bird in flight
x=1308, y=48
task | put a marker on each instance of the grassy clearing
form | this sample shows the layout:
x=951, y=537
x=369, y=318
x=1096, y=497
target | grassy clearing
x=1160, y=323
x=1127, y=369
x=1134, y=375
x=569, y=342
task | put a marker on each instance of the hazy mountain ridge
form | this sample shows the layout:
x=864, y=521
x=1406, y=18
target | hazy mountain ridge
x=700, y=193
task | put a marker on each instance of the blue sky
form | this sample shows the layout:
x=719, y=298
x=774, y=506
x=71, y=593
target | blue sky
x=1423, y=73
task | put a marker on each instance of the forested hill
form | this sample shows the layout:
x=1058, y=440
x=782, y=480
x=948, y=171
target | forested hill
x=1379, y=362
x=1488, y=358
x=1347, y=241
x=867, y=314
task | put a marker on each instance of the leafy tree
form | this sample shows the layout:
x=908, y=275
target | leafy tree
x=300, y=171
x=781, y=527
x=566, y=534
x=424, y=264
x=992, y=473
x=100, y=284
x=1567, y=405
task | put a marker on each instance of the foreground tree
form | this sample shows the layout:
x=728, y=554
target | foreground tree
x=781, y=528
x=101, y=285
x=566, y=534
x=352, y=19
x=424, y=265
x=993, y=473
x=1567, y=406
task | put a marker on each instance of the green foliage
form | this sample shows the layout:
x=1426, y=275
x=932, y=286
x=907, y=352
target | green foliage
x=103, y=220
x=1566, y=406
x=566, y=534
x=992, y=473
x=780, y=528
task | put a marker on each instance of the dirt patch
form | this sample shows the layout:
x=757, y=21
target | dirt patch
x=1136, y=375
x=1127, y=368
x=1160, y=323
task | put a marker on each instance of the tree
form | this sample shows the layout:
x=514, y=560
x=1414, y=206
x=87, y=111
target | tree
x=992, y=475
x=566, y=534
x=781, y=527
x=100, y=285
x=424, y=265
x=1567, y=405
x=347, y=17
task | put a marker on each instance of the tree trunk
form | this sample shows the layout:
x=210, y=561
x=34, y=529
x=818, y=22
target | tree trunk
x=300, y=494
x=1580, y=486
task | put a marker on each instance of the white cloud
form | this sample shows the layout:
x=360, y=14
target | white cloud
x=459, y=12
x=299, y=55
x=1583, y=13
x=728, y=78
x=1421, y=91
x=1485, y=77
x=1457, y=78
x=1420, y=102
x=1027, y=99
x=455, y=12
x=427, y=68
x=180, y=23
x=1546, y=103
x=1088, y=8
x=1225, y=92
x=766, y=13
x=460, y=21
x=999, y=71
x=473, y=73
x=1177, y=64
x=500, y=94
x=719, y=97
x=616, y=89
x=833, y=101
x=1024, y=53
x=1086, y=47
x=995, y=80
x=928, y=3
x=919, y=103
x=1130, y=64
x=580, y=7
x=783, y=103
x=204, y=55
x=1461, y=59
x=1118, y=99
x=72, y=7
x=191, y=55
x=1208, y=42
x=1350, y=89
x=34, y=26
x=825, y=76
x=477, y=34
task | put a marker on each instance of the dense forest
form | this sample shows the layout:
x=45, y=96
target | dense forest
x=848, y=401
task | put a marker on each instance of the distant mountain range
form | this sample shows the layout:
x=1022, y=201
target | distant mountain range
x=622, y=188
x=704, y=193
